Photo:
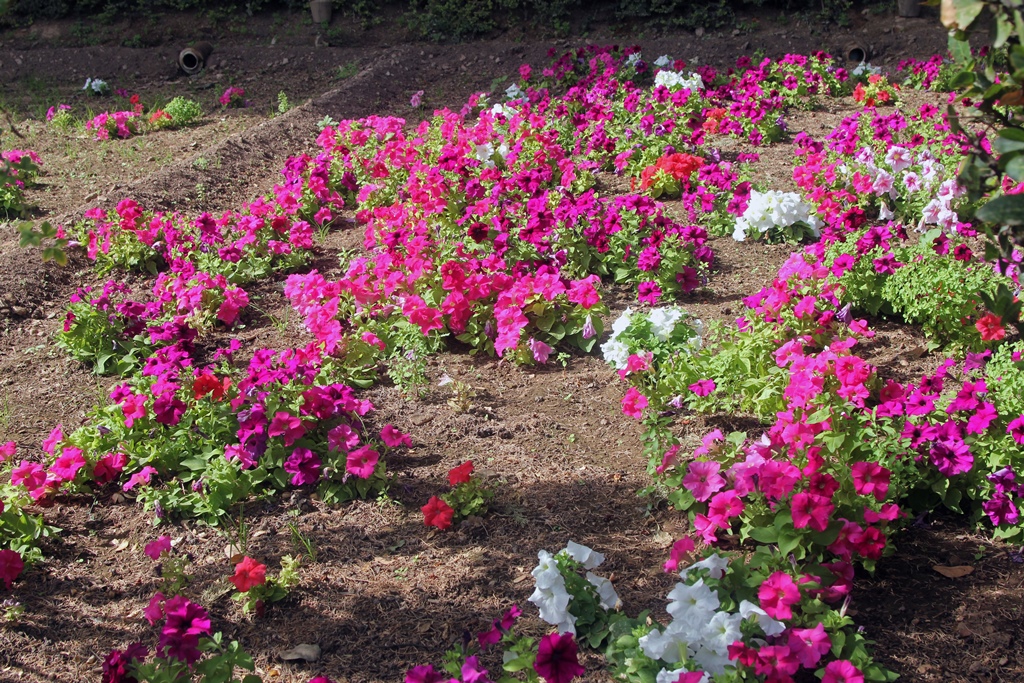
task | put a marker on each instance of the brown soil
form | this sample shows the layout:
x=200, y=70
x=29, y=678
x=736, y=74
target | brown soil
x=384, y=593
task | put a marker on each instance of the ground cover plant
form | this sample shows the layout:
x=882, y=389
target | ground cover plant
x=580, y=214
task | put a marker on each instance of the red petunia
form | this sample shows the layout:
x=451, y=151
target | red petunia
x=11, y=565
x=990, y=326
x=460, y=475
x=437, y=513
x=249, y=573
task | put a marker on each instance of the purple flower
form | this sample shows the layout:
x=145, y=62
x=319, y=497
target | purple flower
x=186, y=621
x=303, y=465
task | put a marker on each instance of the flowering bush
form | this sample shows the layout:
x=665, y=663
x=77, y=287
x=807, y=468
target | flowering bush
x=18, y=170
x=177, y=113
x=233, y=97
x=877, y=91
x=468, y=497
x=122, y=124
x=256, y=589
x=777, y=217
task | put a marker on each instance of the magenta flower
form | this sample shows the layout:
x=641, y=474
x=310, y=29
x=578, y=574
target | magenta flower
x=361, y=462
x=67, y=465
x=557, y=660
x=55, y=437
x=117, y=665
x=778, y=594
x=1016, y=429
x=472, y=672
x=304, y=466
x=703, y=480
x=842, y=671
x=811, y=510
x=703, y=387
x=649, y=292
x=393, y=438
x=154, y=611
x=633, y=403
x=288, y=426
x=11, y=565
x=809, y=644
x=160, y=545
x=186, y=621
x=7, y=450
x=426, y=674
x=143, y=476
x=31, y=475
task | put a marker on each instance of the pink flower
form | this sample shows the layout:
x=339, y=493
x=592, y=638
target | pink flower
x=67, y=465
x=426, y=674
x=679, y=550
x=703, y=480
x=557, y=660
x=393, y=438
x=842, y=671
x=778, y=594
x=633, y=403
x=55, y=437
x=31, y=475
x=7, y=450
x=362, y=461
x=811, y=510
x=11, y=565
x=288, y=426
x=870, y=479
x=134, y=408
x=416, y=99
x=154, y=612
x=809, y=644
x=540, y=350
x=160, y=545
x=143, y=476
x=703, y=387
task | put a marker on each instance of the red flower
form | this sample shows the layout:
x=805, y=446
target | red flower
x=11, y=565
x=249, y=573
x=437, y=513
x=207, y=383
x=556, y=659
x=460, y=475
x=991, y=327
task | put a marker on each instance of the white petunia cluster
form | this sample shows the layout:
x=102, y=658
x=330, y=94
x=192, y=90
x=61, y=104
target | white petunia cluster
x=675, y=80
x=699, y=632
x=550, y=594
x=97, y=86
x=663, y=321
x=774, y=209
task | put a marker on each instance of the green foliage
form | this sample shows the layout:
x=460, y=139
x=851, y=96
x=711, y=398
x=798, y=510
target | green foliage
x=14, y=178
x=183, y=112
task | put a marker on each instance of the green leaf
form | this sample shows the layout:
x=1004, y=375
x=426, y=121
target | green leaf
x=1015, y=167
x=764, y=534
x=962, y=80
x=1005, y=210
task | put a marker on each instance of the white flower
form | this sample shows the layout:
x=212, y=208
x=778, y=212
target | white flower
x=584, y=555
x=711, y=661
x=714, y=563
x=677, y=81
x=666, y=676
x=514, y=92
x=692, y=603
x=669, y=645
x=774, y=209
x=605, y=591
x=621, y=323
x=662, y=61
x=615, y=353
x=546, y=572
x=484, y=153
x=663, y=321
x=553, y=604
x=865, y=68
x=770, y=626
x=722, y=631
x=885, y=213
x=633, y=59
